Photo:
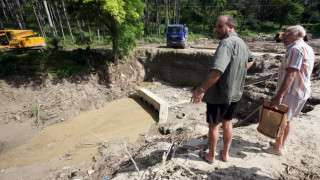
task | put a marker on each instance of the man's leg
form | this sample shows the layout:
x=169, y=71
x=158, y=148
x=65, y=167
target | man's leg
x=227, y=137
x=278, y=145
x=286, y=133
x=280, y=141
x=213, y=140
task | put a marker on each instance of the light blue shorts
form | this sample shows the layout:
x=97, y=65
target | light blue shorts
x=295, y=105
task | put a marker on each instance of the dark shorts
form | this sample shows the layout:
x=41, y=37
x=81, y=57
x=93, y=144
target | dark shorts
x=217, y=112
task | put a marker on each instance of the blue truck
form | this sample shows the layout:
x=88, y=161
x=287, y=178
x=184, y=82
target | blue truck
x=177, y=35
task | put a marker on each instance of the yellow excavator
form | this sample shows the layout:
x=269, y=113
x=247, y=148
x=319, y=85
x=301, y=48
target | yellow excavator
x=20, y=39
x=279, y=37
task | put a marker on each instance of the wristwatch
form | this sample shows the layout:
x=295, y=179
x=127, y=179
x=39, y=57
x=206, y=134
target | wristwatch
x=201, y=89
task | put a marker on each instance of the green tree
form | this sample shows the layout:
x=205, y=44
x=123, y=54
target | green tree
x=218, y=6
x=123, y=19
x=286, y=11
x=311, y=12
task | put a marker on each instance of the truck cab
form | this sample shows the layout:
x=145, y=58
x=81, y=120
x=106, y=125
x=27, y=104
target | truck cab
x=177, y=36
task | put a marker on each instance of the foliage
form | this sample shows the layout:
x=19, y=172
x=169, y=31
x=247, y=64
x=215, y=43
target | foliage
x=33, y=110
x=193, y=36
x=59, y=63
x=313, y=28
x=16, y=63
x=286, y=11
x=152, y=39
x=311, y=13
x=121, y=17
x=121, y=24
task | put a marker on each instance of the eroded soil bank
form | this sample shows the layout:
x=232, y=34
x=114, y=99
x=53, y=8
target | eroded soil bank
x=67, y=106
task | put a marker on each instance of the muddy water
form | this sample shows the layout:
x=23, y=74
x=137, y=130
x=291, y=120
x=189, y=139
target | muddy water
x=78, y=139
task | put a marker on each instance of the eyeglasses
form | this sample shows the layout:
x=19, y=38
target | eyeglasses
x=287, y=34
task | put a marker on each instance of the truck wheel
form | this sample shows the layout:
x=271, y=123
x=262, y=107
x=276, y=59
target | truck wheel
x=185, y=45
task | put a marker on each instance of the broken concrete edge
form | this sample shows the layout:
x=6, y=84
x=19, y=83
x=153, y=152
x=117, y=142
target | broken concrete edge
x=158, y=103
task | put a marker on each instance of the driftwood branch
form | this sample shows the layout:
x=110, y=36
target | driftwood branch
x=165, y=154
x=98, y=137
x=246, y=119
x=38, y=117
x=135, y=165
x=184, y=167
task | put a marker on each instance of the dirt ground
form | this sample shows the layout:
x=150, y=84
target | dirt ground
x=62, y=129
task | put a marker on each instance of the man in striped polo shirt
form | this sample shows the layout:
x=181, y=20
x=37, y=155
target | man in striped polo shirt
x=293, y=86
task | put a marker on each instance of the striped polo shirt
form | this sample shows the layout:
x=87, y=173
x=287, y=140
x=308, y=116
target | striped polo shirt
x=299, y=56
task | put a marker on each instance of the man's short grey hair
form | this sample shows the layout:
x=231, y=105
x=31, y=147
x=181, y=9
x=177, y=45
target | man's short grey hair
x=297, y=28
x=230, y=20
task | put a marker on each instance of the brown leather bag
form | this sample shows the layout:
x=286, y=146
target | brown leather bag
x=272, y=119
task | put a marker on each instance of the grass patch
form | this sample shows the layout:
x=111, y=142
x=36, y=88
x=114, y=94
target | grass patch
x=33, y=110
x=313, y=29
x=59, y=63
x=153, y=39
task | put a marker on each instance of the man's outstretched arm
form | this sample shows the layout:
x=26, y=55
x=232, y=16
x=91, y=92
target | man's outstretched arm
x=212, y=78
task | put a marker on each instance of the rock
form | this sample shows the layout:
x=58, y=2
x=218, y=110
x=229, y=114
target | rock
x=17, y=117
x=163, y=146
x=164, y=130
x=63, y=175
x=78, y=178
x=181, y=115
x=74, y=172
x=90, y=172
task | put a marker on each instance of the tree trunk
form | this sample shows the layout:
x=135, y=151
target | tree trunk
x=67, y=19
x=112, y=26
x=98, y=33
x=10, y=11
x=174, y=11
x=1, y=23
x=25, y=8
x=178, y=12
x=49, y=19
x=158, y=17
x=167, y=12
x=40, y=11
x=19, y=12
x=204, y=19
x=53, y=13
x=3, y=11
x=89, y=30
x=147, y=17
x=16, y=14
x=39, y=22
x=53, y=18
x=210, y=18
x=280, y=25
x=150, y=21
x=59, y=20
x=80, y=30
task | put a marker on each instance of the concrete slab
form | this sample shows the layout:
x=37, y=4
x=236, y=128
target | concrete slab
x=159, y=104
